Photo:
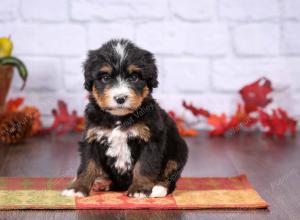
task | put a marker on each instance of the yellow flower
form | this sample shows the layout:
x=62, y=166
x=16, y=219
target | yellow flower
x=6, y=47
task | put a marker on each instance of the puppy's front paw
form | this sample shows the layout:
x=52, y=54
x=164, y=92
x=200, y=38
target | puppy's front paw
x=72, y=193
x=140, y=191
x=159, y=191
x=76, y=190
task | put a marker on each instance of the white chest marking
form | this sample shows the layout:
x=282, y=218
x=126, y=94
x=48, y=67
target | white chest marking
x=118, y=148
x=117, y=141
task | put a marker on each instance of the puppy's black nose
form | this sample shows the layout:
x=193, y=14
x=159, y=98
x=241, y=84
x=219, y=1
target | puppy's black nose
x=120, y=99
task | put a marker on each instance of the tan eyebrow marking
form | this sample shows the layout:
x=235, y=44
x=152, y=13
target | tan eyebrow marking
x=106, y=69
x=132, y=68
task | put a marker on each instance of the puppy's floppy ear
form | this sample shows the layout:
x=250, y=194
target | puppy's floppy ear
x=88, y=67
x=151, y=71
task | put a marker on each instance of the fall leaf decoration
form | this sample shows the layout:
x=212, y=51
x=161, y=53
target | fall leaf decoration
x=255, y=98
x=241, y=119
x=36, y=116
x=255, y=94
x=278, y=123
x=219, y=124
x=17, y=124
x=14, y=105
x=195, y=111
x=180, y=123
x=222, y=125
x=15, y=127
x=64, y=121
x=247, y=115
x=80, y=124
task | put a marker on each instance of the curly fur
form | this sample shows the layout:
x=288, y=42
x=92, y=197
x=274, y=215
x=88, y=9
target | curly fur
x=139, y=149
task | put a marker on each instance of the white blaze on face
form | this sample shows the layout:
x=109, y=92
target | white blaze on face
x=121, y=50
x=118, y=90
x=121, y=88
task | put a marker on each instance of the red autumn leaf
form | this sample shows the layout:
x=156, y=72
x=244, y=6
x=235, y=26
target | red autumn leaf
x=219, y=124
x=255, y=94
x=240, y=119
x=195, y=111
x=278, y=123
x=14, y=104
x=64, y=122
x=265, y=121
x=288, y=124
x=293, y=126
x=180, y=123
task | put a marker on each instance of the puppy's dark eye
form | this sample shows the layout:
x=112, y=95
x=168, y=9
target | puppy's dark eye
x=105, y=78
x=132, y=78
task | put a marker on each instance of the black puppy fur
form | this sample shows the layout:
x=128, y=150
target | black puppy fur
x=130, y=147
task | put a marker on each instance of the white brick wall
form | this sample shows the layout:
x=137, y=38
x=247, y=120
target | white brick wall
x=194, y=10
x=254, y=39
x=206, y=50
x=290, y=9
x=249, y=10
x=44, y=10
x=8, y=10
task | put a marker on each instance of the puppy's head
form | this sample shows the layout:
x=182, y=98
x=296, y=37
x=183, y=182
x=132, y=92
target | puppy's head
x=120, y=75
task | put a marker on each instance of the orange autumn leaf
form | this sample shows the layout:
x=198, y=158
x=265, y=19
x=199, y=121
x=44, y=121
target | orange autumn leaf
x=188, y=132
x=218, y=123
x=80, y=124
x=180, y=123
x=14, y=104
x=36, y=115
x=241, y=119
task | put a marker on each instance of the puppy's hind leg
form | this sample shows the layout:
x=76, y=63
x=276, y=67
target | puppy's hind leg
x=141, y=184
x=82, y=185
x=167, y=181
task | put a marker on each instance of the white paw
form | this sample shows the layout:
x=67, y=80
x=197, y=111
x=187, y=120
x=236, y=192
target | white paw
x=71, y=193
x=159, y=191
x=139, y=195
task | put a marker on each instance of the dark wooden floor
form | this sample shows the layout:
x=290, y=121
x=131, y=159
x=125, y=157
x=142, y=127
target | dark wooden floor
x=273, y=167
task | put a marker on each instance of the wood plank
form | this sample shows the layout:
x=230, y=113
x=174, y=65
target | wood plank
x=272, y=166
x=4, y=149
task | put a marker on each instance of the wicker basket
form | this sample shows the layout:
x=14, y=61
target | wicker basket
x=6, y=74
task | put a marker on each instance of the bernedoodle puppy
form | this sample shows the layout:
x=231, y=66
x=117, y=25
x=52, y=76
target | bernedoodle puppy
x=129, y=142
